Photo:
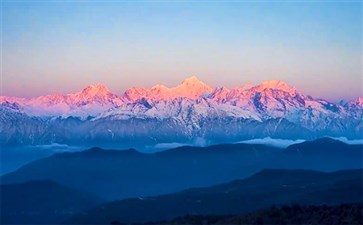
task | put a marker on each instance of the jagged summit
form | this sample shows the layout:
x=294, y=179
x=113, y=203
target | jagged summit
x=358, y=102
x=98, y=89
x=193, y=83
x=270, y=99
x=192, y=88
x=188, y=111
x=192, y=80
x=276, y=85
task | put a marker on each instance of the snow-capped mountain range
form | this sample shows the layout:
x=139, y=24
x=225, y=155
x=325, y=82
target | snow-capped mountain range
x=188, y=113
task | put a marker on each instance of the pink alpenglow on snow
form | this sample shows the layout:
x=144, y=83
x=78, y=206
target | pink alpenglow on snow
x=191, y=88
x=274, y=98
x=190, y=109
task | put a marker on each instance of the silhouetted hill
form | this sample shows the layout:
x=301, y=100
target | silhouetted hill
x=41, y=202
x=114, y=175
x=264, y=189
x=323, y=154
x=349, y=214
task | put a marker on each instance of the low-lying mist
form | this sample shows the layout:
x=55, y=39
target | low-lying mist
x=14, y=157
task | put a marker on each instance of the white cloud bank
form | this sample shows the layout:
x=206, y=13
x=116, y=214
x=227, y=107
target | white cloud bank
x=350, y=142
x=279, y=143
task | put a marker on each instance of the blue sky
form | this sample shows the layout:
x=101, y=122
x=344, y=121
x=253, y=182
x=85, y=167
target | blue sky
x=63, y=46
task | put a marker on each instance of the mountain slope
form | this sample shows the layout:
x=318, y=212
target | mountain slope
x=266, y=188
x=295, y=214
x=90, y=101
x=113, y=174
x=323, y=154
x=186, y=113
x=41, y=202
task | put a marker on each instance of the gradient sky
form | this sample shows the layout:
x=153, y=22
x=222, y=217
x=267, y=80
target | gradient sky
x=61, y=47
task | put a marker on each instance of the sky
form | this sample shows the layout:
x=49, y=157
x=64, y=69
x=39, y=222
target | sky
x=63, y=46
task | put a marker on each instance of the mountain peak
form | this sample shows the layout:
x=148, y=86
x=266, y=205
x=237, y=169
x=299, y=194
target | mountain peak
x=360, y=101
x=274, y=84
x=192, y=79
x=193, y=82
x=97, y=89
x=192, y=88
x=356, y=102
x=277, y=85
x=100, y=86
